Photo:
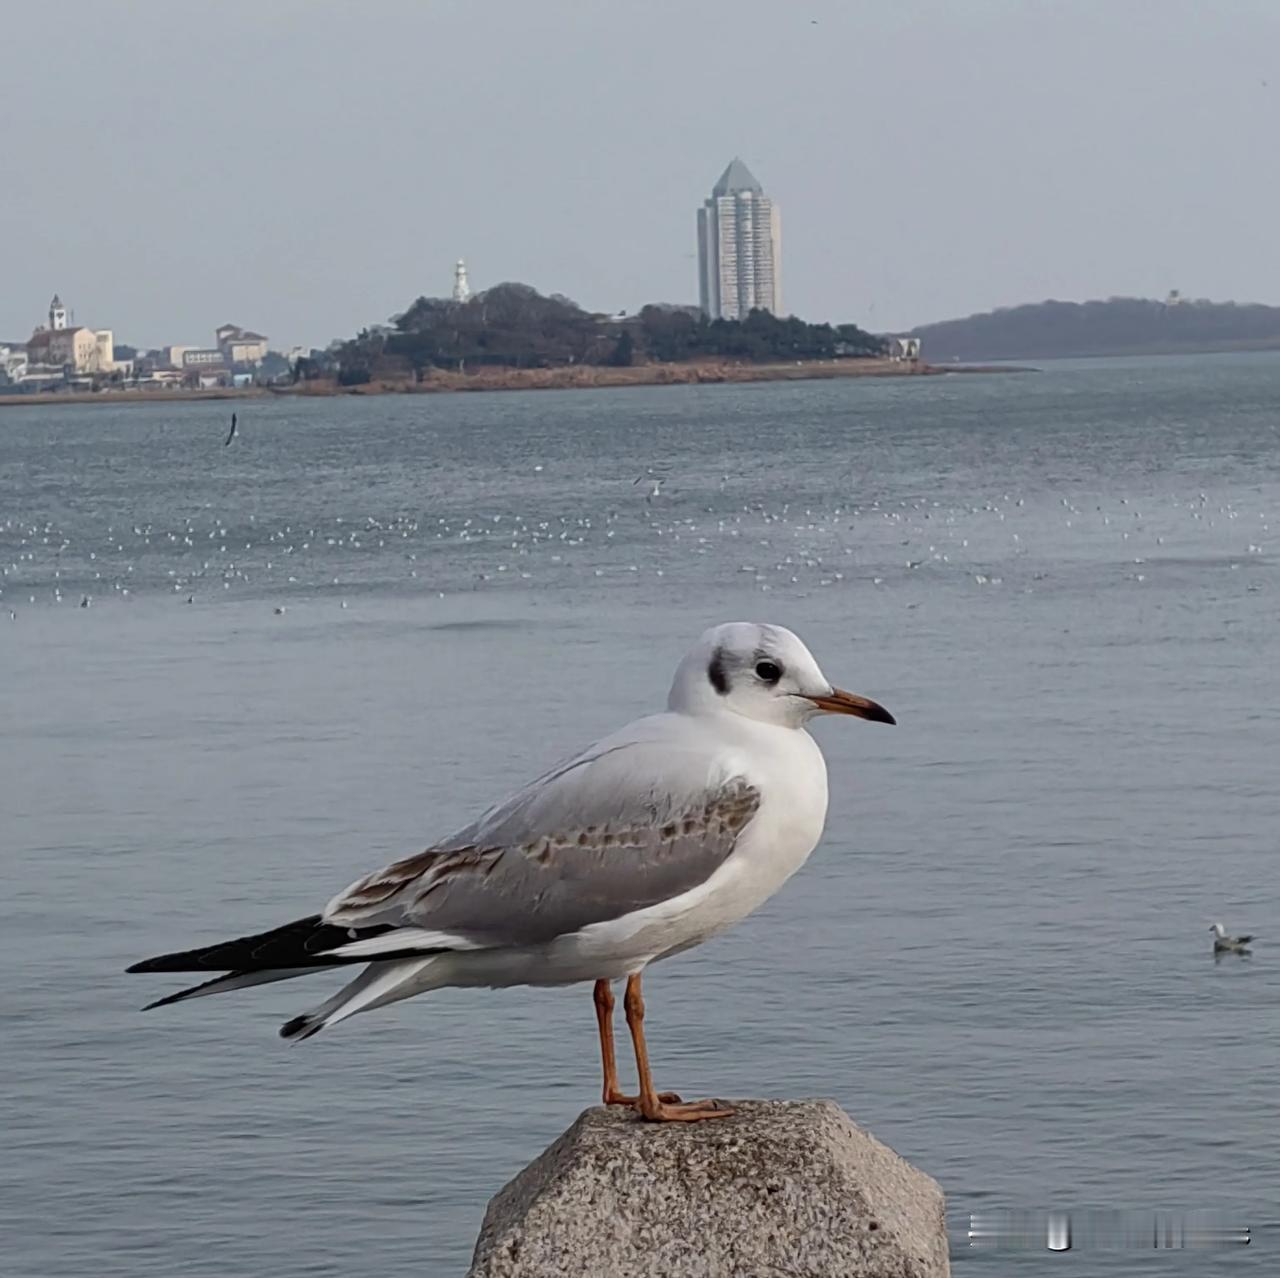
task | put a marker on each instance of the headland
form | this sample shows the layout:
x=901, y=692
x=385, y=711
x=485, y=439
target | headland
x=579, y=377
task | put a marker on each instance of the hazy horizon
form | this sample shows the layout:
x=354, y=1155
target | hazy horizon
x=305, y=169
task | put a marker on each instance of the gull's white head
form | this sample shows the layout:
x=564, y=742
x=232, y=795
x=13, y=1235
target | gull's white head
x=1217, y=929
x=761, y=672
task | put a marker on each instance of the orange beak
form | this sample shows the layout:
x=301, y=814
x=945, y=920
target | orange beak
x=840, y=702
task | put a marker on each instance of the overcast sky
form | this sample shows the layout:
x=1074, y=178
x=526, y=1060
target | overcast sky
x=305, y=167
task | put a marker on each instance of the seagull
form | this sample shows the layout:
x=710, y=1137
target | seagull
x=655, y=480
x=1224, y=944
x=232, y=433
x=647, y=843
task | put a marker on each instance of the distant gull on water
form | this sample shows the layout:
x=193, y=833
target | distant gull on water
x=1224, y=944
x=647, y=843
x=653, y=479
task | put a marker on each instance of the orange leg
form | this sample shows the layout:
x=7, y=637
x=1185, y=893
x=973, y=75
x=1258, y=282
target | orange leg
x=652, y=1106
x=604, y=1019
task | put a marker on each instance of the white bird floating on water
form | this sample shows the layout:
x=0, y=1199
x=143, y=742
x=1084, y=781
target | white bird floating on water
x=647, y=843
x=1224, y=944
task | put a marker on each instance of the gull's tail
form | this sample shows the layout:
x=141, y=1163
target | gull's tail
x=380, y=983
x=283, y=953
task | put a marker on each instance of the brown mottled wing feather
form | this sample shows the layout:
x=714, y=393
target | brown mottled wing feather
x=555, y=883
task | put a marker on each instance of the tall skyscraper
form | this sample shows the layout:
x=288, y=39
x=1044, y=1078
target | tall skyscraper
x=739, y=248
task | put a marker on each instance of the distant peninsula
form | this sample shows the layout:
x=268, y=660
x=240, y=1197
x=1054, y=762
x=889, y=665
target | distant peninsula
x=1117, y=326
x=512, y=327
x=511, y=337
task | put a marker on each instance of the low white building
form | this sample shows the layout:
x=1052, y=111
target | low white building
x=903, y=347
x=13, y=364
x=35, y=376
x=202, y=357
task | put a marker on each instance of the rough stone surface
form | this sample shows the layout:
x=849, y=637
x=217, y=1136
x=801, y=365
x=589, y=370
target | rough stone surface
x=782, y=1189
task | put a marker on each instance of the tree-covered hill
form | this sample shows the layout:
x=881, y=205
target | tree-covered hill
x=1118, y=326
x=514, y=326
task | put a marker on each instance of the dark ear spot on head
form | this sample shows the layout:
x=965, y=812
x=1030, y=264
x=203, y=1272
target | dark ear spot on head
x=715, y=672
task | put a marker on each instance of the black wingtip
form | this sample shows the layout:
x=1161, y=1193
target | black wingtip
x=300, y=1027
x=205, y=987
x=292, y=945
x=161, y=963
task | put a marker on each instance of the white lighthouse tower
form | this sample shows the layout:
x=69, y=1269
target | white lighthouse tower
x=461, y=289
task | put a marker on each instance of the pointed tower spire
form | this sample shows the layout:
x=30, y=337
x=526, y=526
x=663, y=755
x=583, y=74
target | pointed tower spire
x=737, y=177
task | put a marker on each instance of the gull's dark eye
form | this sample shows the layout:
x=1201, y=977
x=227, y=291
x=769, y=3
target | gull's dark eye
x=769, y=671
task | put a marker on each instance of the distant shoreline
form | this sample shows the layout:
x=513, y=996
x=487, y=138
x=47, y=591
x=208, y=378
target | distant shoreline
x=580, y=377
x=1119, y=326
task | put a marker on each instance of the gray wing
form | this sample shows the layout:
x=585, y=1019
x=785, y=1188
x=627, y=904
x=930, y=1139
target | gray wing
x=584, y=845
